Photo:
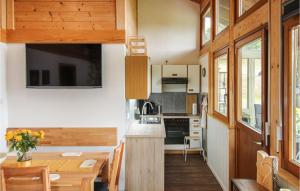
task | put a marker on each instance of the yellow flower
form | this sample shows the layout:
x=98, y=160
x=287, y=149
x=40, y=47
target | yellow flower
x=9, y=135
x=18, y=138
x=35, y=134
x=42, y=133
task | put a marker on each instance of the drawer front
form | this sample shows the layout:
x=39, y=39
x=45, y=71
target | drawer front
x=195, y=127
x=194, y=121
x=195, y=133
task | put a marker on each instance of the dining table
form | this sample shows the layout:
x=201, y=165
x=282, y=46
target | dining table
x=72, y=176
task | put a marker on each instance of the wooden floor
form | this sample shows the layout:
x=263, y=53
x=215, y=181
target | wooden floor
x=194, y=175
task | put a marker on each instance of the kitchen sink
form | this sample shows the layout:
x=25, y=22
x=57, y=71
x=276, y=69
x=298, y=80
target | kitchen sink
x=150, y=120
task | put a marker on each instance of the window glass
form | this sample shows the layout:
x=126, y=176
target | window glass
x=222, y=15
x=245, y=5
x=206, y=26
x=250, y=84
x=221, y=92
x=296, y=93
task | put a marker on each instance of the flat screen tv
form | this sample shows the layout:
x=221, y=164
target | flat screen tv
x=64, y=65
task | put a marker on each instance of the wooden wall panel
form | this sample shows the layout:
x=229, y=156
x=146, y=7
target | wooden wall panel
x=77, y=136
x=65, y=21
x=77, y=15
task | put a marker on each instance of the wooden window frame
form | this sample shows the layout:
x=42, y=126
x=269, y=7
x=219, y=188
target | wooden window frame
x=201, y=25
x=214, y=28
x=287, y=164
x=248, y=38
x=216, y=113
x=248, y=12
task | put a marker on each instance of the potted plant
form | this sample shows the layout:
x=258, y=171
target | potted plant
x=23, y=141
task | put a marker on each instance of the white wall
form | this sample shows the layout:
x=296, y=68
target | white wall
x=204, y=80
x=218, y=151
x=171, y=28
x=105, y=107
x=3, y=100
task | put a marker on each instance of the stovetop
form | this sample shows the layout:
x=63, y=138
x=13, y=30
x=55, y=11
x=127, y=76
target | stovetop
x=175, y=114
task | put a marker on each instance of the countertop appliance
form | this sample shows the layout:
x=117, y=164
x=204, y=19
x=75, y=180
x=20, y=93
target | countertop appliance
x=176, y=130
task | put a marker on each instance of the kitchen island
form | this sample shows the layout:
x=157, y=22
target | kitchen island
x=145, y=157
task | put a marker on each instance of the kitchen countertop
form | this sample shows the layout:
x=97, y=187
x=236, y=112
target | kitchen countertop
x=146, y=130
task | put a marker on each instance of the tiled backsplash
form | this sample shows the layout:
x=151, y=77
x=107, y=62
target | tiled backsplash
x=170, y=102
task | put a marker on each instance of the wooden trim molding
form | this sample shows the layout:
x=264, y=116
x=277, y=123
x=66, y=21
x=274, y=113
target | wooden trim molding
x=65, y=36
x=77, y=136
x=120, y=14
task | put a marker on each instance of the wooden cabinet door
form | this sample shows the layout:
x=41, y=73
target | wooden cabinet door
x=156, y=78
x=194, y=79
x=137, y=77
x=175, y=71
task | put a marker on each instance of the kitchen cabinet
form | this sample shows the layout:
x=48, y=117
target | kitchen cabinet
x=156, y=79
x=174, y=71
x=196, y=131
x=145, y=157
x=137, y=77
x=193, y=79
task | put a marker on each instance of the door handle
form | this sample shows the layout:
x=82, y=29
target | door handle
x=257, y=142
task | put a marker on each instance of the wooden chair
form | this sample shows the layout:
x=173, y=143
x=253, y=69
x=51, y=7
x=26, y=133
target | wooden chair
x=115, y=168
x=114, y=171
x=25, y=179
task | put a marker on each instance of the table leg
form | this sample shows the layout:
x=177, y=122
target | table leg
x=104, y=172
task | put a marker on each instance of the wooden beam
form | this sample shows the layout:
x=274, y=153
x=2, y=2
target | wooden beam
x=65, y=36
x=275, y=59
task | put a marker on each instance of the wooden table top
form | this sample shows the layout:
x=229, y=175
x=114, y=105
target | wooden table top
x=71, y=175
x=247, y=185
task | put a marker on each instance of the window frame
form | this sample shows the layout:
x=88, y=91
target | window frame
x=215, y=21
x=201, y=25
x=217, y=114
x=287, y=162
x=248, y=12
x=248, y=38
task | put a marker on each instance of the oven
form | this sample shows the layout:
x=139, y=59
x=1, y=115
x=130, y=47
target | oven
x=176, y=130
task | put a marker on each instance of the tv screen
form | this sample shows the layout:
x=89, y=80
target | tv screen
x=63, y=65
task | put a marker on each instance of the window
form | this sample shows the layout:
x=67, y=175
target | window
x=250, y=81
x=221, y=84
x=222, y=15
x=206, y=26
x=292, y=95
x=245, y=7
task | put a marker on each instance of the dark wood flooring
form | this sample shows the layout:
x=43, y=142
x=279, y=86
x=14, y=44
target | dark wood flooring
x=194, y=175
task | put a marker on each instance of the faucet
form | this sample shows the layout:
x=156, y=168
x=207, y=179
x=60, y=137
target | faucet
x=143, y=108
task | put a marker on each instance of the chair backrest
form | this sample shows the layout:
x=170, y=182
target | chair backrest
x=25, y=179
x=116, y=168
x=267, y=166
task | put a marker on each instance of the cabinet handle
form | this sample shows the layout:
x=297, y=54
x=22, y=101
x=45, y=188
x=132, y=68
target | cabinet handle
x=174, y=74
x=191, y=90
x=196, y=126
x=195, y=133
x=196, y=120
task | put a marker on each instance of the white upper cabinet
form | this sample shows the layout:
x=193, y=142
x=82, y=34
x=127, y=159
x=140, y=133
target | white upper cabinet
x=156, y=79
x=193, y=79
x=174, y=71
